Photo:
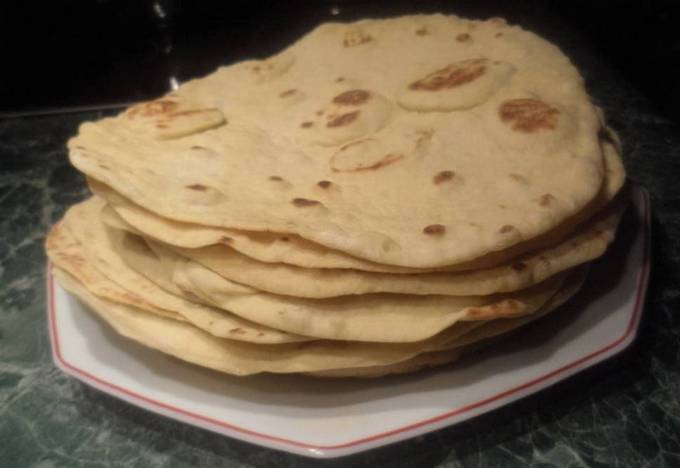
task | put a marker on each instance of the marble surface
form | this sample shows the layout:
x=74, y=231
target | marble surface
x=625, y=412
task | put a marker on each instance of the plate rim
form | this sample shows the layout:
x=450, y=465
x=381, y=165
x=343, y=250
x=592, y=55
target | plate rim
x=414, y=429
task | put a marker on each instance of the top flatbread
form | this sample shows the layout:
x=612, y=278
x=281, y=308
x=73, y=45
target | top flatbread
x=420, y=141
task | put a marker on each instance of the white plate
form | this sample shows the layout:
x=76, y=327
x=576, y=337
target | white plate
x=331, y=418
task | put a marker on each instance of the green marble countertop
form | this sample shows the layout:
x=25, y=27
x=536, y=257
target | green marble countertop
x=624, y=412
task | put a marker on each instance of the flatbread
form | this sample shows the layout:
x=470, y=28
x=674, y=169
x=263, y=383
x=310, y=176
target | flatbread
x=193, y=345
x=472, y=341
x=90, y=257
x=271, y=247
x=586, y=244
x=67, y=253
x=372, y=317
x=478, y=145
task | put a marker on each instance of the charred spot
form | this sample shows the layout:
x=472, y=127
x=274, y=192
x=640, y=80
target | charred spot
x=546, y=200
x=443, y=176
x=519, y=266
x=475, y=312
x=385, y=161
x=343, y=119
x=288, y=93
x=434, y=229
x=324, y=184
x=304, y=202
x=284, y=239
x=424, y=137
x=463, y=37
x=455, y=74
x=307, y=124
x=355, y=38
x=506, y=229
x=528, y=115
x=518, y=178
x=150, y=109
x=353, y=97
x=190, y=112
x=198, y=187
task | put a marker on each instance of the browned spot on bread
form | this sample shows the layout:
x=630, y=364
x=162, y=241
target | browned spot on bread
x=546, y=200
x=306, y=124
x=424, y=137
x=455, y=74
x=199, y=187
x=498, y=34
x=226, y=240
x=434, y=229
x=319, y=113
x=464, y=37
x=304, y=202
x=275, y=178
x=355, y=38
x=499, y=309
x=343, y=119
x=324, y=183
x=284, y=239
x=502, y=206
x=519, y=266
x=443, y=176
x=196, y=147
x=161, y=125
x=352, y=97
x=476, y=312
x=339, y=79
x=528, y=115
x=192, y=112
x=256, y=68
x=237, y=331
x=386, y=160
x=288, y=93
x=134, y=299
x=422, y=31
x=103, y=166
x=506, y=229
x=260, y=334
x=153, y=108
x=518, y=178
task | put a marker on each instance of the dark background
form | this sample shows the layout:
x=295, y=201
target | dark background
x=105, y=52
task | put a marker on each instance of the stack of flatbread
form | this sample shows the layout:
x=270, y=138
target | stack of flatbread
x=379, y=197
